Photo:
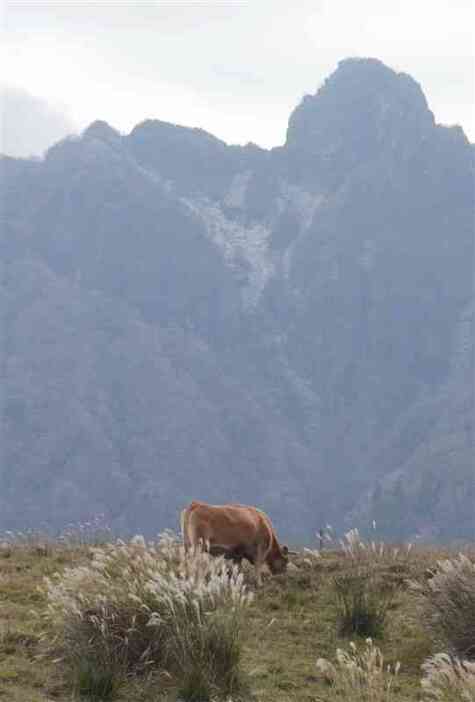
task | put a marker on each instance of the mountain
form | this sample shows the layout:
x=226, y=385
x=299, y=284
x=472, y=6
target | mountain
x=291, y=328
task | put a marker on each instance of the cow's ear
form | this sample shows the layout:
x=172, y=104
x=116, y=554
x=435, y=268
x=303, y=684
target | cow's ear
x=285, y=550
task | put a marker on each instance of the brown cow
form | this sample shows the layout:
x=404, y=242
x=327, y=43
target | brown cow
x=235, y=531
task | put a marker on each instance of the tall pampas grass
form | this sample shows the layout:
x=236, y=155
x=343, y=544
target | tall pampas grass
x=365, y=592
x=139, y=606
x=447, y=599
x=448, y=679
x=359, y=674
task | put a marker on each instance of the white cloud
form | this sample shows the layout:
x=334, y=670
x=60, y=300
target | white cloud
x=236, y=69
x=29, y=125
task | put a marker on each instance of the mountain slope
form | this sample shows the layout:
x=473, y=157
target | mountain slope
x=183, y=318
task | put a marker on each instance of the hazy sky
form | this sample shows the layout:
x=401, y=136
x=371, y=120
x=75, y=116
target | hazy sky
x=236, y=68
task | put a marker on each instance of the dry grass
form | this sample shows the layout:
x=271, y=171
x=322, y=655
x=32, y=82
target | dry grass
x=24, y=677
x=360, y=673
x=141, y=606
x=448, y=679
x=366, y=590
x=291, y=622
x=447, y=600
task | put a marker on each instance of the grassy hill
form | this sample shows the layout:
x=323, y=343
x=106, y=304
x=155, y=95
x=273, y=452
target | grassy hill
x=291, y=622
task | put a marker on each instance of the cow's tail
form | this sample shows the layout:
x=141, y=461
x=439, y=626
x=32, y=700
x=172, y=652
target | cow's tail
x=269, y=529
x=191, y=540
x=184, y=525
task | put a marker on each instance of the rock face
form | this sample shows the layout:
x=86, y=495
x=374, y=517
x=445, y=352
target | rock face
x=291, y=328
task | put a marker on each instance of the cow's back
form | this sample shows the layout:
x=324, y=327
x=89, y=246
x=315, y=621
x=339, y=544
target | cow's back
x=227, y=526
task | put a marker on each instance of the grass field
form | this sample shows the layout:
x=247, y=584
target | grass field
x=291, y=623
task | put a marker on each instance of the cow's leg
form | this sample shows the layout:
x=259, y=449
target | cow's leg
x=187, y=543
x=259, y=573
x=204, y=544
x=259, y=563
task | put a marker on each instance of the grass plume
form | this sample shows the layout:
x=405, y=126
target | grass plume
x=139, y=605
x=447, y=599
x=359, y=674
x=448, y=679
x=366, y=591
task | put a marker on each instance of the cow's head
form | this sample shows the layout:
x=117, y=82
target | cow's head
x=279, y=561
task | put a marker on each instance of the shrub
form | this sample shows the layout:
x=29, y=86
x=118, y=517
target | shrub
x=359, y=675
x=448, y=679
x=448, y=605
x=365, y=592
x=139, y=605
x=97, y=679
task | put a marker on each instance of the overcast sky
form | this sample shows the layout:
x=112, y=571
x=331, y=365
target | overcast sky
x=235, y=68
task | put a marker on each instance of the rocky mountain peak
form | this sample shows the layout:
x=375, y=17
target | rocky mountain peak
x=189, y=158
x=99, y=129
x=362, y=107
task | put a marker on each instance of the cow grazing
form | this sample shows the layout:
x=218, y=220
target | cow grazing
x=235, y=531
